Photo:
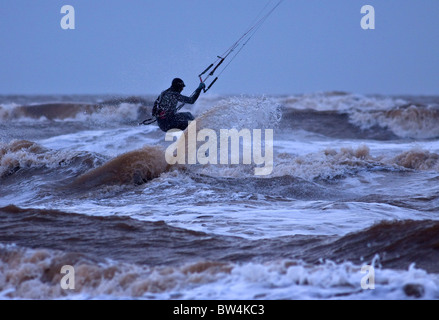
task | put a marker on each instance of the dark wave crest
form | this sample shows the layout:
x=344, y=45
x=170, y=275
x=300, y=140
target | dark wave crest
x=135, y=167
x=398, y=244
x=341, y=115
x=23, y=155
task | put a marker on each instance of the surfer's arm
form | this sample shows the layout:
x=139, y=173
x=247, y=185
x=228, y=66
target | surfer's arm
x=193, y=98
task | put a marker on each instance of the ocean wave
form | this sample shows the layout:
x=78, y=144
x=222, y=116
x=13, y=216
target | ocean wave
x=331, y=164
x=346, y=115
x=337, y=115
x=417, y=122
x=341, y=102
x=282, y=187
x=142, y=165
x=36, y=274
x=241, y=113
x=334, y=125
x=120, y=257
x=418, y=159
x=22, y=154
x=398, y=243
x=246, y=112
x=124, y=112
x=135, y=167
x=328, y=164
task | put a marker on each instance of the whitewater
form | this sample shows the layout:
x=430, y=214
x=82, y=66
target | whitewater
x=354, y=183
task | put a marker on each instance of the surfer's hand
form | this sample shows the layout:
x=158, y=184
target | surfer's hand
x=201, y=86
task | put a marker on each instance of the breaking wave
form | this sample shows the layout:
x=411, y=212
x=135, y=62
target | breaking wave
x=332, y=164
x=329, y=164
x=335, y=114
x=119, y=111
x=417, y=122
x=22, y=154
x=135, y=167
x=418, y=159
x=293, y=267
x=242, y=113
x=35, y=274
x=218, y=231
x=142, y=165
x=353, y=116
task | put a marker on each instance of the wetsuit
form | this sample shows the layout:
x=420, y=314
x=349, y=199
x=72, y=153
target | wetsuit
x=166, y=109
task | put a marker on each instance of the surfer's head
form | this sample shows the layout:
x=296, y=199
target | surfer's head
x=178, y=85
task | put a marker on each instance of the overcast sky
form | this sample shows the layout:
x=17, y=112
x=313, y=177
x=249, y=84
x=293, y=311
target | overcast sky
x=138, y=46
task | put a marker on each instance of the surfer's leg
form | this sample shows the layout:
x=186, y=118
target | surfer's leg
x=178, y=121
x=164, y=124
x=181, y=120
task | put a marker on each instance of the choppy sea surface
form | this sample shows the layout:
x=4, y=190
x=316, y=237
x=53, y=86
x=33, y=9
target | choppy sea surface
x=355, y=182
